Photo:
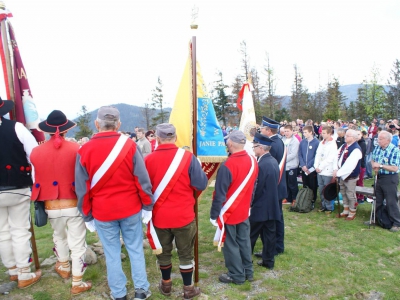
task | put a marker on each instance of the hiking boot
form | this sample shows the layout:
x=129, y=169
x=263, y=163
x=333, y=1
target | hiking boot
x=225, y=278
x=328, y=212
x=22, y=284
x=350, y=217
x=165, y=287
x=258, y=254
x=394, y=229
x=141, y=294
x=82, y=287
x=322, y=209
x=190, y=291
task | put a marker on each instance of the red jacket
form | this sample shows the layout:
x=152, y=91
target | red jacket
x=127, y=190
x=54, y=171
x=178, y=208
x=229, y=177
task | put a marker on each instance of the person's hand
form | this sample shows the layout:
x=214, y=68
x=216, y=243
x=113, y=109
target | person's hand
x=318, y=170
x=146, y=216
x=305, y=169
x=214, y=222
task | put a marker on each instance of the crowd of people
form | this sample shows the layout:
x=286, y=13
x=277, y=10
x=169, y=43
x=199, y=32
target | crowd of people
x=88, y=184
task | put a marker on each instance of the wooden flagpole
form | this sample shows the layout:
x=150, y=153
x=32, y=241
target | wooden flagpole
x=10, y=90
x=194, y=147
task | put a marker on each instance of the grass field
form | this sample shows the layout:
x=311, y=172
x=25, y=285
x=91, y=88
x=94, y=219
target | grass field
x=324, y=258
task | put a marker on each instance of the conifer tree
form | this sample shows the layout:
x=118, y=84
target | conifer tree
x=83, y=124
x=393, y=99
x=334, y=101
x=157, y=103
x=221, y=100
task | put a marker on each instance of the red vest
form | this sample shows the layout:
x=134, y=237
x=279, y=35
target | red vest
x=239, y=165
x=122, y=195
x=54, y=171
x=178, y=208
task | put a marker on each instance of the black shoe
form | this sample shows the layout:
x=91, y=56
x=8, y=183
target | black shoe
x=250, y=278
x=121, y=298
x=225, y=278
x=258, y=254
x=141, y=294
x=262, y=264
x=312, y=205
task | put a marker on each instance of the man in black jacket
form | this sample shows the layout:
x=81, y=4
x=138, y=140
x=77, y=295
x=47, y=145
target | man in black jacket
x=265, y=209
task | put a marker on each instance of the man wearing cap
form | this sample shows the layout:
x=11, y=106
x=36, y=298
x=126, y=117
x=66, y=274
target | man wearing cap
x=54, y=183
x=175, y=174
x=15, y=181
x=265, y=205
x=231, y=203
x=278, y=151
x=349, y=163
x=114, y=189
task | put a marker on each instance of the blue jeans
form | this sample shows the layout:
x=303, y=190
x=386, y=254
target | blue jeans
x=109, y=233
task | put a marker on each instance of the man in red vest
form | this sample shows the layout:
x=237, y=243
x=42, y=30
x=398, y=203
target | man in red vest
x=175, y=174
x=230, y=209
x=15, y=181
x=54, y=183
x=114, y=189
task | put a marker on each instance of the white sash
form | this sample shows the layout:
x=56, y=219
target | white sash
x=109, y=160
x=220, y=232
x=160, y=188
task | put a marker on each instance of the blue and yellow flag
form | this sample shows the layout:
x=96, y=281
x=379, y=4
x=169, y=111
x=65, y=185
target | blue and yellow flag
x=210, y=142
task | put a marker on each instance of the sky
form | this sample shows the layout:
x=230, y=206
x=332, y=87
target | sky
x=99, y=52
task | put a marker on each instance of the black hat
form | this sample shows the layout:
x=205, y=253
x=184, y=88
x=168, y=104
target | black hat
x=5, y=106
x=267, y=122
x=330, y=191
x=56, y=120
x=262, y=139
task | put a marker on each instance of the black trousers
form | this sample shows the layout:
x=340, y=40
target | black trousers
x=311, y=182
x=267, y=229
x=386, y=188
x=291, y=183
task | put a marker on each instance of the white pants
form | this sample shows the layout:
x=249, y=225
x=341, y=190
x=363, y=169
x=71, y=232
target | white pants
x=15, y=247
x=72, y=239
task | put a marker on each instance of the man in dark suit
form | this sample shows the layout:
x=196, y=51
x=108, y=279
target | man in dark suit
x=269, y=128
x=265, y=209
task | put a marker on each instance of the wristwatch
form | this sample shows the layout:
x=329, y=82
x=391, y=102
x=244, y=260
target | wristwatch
x=381, y=167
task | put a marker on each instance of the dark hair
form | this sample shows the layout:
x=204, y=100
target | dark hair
x=150, y=132
x=309, y=128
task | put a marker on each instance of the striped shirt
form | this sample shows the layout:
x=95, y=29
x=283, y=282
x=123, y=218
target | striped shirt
x=389, y=156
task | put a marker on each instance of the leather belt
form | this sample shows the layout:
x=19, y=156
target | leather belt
x=60, y=204
x=12, y=187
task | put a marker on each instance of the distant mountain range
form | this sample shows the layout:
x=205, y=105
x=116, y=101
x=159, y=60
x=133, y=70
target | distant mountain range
x=131, y=116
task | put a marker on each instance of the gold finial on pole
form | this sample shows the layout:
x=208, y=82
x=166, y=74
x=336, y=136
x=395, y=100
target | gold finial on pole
x=2, y=5
x=195, y=14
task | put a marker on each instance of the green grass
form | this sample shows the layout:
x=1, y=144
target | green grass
x=325, y=258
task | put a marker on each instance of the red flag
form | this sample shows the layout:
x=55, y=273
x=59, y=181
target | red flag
x=25, y=108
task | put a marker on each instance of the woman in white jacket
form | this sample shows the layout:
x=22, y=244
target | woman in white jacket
x=325, y=165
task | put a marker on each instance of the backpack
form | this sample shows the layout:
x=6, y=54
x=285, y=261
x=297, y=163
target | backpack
x=382, y=218
x=304, y=201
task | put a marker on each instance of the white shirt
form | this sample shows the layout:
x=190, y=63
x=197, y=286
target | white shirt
x=350, y=163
